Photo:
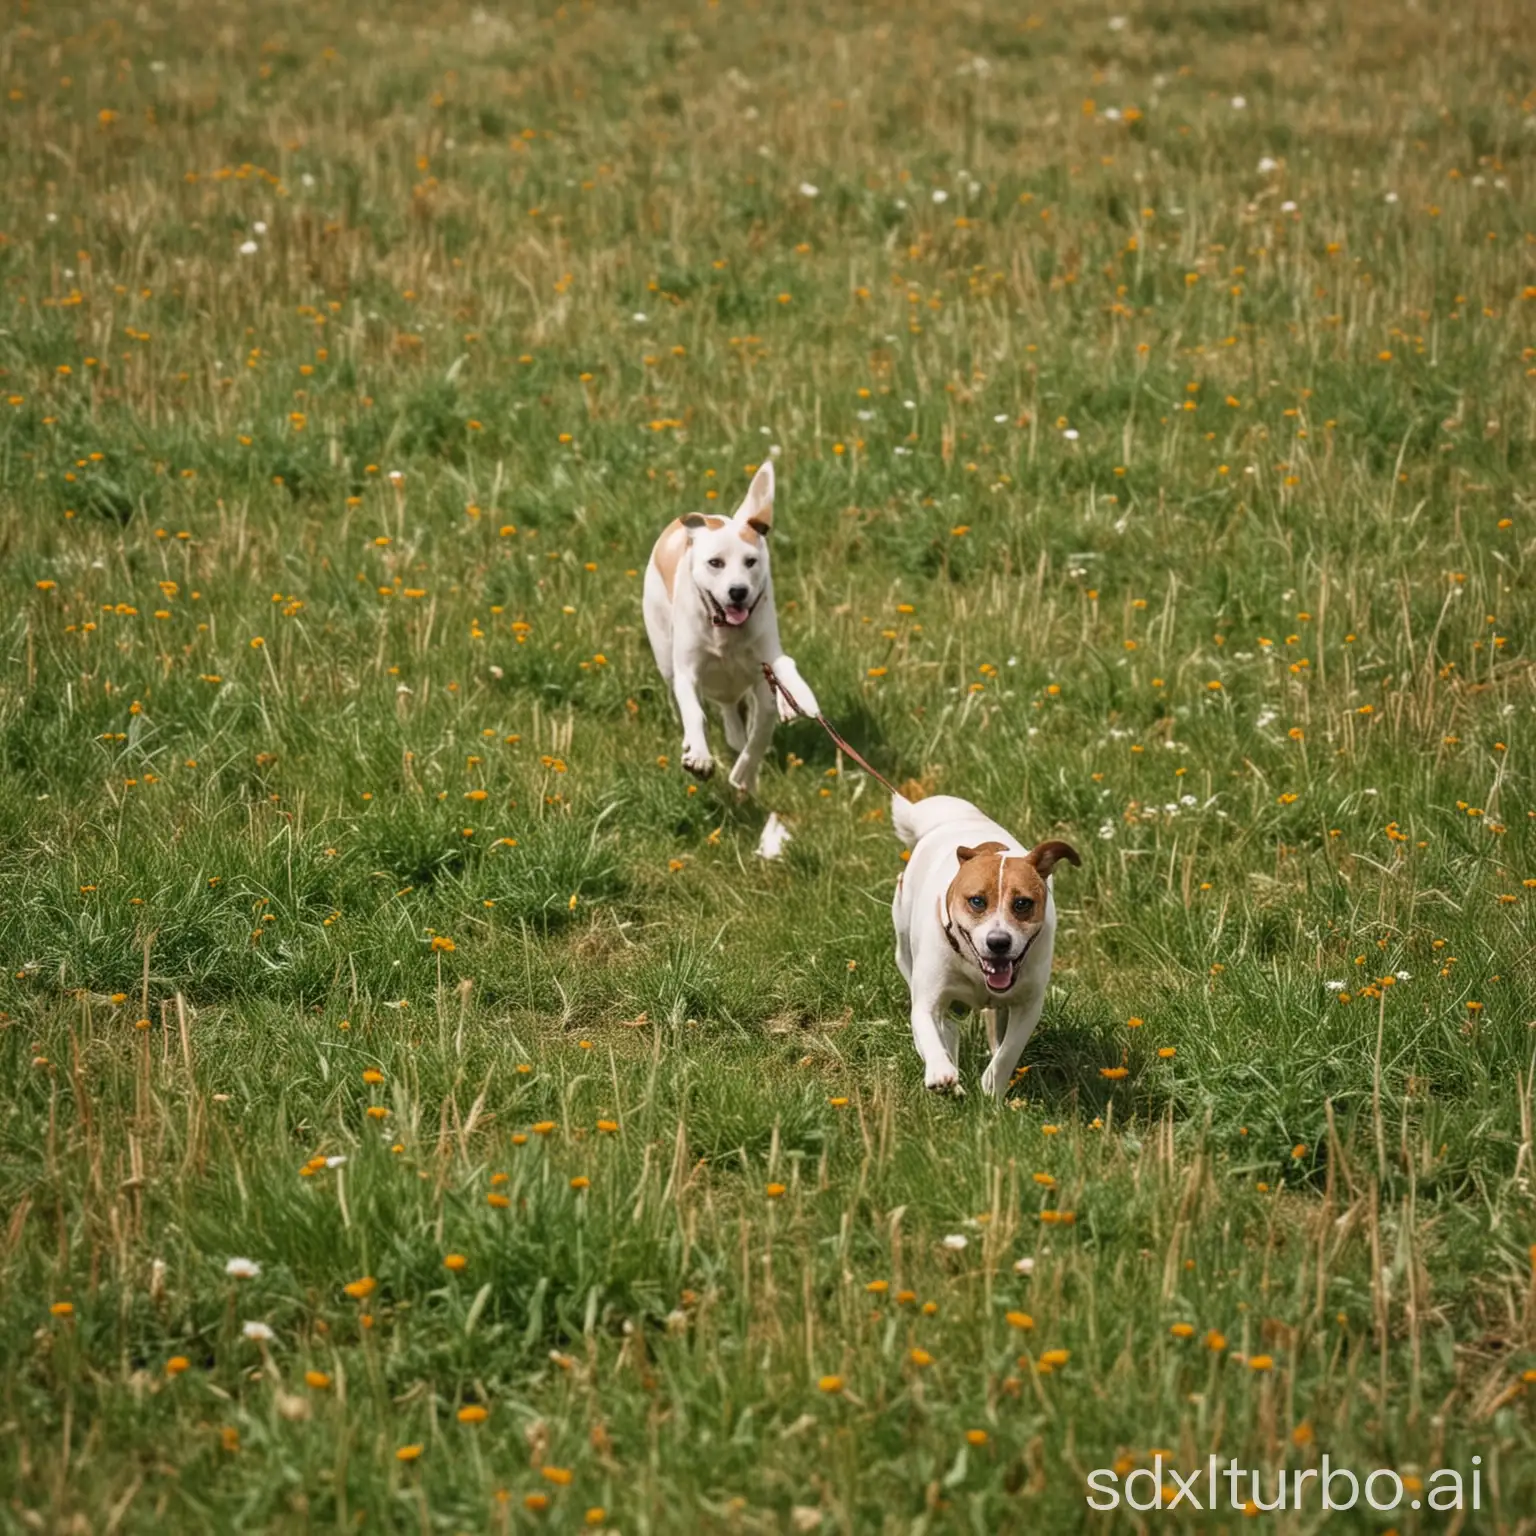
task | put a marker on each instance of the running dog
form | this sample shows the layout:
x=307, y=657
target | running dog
x=975, y=925
x=710, y=618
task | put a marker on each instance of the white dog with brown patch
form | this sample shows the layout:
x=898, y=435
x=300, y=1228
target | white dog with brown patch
x=712, y=626
x=975, y=926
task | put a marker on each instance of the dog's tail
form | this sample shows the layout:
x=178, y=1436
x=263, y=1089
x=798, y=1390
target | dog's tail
x=913, y=819
x=903, y=819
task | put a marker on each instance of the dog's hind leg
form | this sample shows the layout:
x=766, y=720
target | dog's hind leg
x=734, y=718
x=761, y=719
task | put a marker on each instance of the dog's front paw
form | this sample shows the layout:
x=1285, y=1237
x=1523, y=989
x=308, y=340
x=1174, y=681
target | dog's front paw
x=942, y=1077
x=793, y=697
x=697, y=761
x=744, y=775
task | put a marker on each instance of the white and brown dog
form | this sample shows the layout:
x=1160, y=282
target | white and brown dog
x=710, y=617
x=975, y=925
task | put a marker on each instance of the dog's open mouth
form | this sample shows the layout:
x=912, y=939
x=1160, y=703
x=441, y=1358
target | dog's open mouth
x=729, y=615
x=998, y=973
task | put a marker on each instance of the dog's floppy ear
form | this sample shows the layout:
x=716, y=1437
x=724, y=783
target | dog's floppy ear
x=1046, y=856
x=757, y=510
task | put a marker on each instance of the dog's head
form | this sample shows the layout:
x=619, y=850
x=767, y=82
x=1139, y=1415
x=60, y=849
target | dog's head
x=730, y=555
x=997, y=902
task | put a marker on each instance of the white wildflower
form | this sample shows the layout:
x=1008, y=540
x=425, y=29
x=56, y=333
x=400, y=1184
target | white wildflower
x=775, y=835
x=258, y=1331
x=242, y=1269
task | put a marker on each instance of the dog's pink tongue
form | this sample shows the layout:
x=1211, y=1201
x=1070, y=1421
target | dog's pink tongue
x=736, y=615
x=1000, y=980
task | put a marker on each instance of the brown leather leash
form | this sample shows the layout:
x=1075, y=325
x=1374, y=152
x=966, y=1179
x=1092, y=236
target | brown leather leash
x=829, y=728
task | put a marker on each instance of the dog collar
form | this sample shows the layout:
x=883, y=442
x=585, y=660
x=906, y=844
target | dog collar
x=949, y=930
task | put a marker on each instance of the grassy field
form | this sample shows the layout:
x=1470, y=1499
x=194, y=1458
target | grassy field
x=1153, y=398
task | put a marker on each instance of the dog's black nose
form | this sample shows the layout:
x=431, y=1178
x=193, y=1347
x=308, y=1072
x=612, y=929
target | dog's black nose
x=999, y=943
x=737, y=595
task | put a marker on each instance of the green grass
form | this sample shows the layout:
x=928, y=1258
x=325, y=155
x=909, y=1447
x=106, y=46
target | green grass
x=1116, y=494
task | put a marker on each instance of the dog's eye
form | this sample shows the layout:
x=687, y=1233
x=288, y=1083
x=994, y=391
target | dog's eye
x=977, y=903
x=751, y=562
x=717, y=564
x=1023, y=906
